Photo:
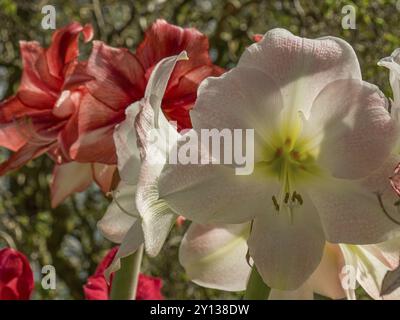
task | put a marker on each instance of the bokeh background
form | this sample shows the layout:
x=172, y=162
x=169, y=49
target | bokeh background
x=66, y=237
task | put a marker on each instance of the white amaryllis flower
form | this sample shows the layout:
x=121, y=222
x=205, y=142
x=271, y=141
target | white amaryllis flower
x=214, y=256
x=319, y=131
x=141, y=150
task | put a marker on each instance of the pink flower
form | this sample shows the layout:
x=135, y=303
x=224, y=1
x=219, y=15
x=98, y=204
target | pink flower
x=96, y=288
x=16, y=277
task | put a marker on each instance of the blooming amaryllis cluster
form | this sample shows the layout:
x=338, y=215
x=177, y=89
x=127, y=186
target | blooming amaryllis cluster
x=68, y=108
x=323, y=195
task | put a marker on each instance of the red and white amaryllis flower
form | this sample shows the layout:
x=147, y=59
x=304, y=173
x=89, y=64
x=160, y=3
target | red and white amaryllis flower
x=319, y=132
x=47, y=100
x=142, y=150
x=16, y=276
x=118, y=78
x=97, y=288
x=84, y=101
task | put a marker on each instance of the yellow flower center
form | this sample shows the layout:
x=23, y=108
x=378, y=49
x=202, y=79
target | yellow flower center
x=291, y=159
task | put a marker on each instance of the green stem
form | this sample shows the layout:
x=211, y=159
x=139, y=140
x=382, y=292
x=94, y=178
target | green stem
x=256, y=288
x=125, y=280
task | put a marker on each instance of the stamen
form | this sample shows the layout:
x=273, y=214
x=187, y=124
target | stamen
x=275, y=202
x=286, y=197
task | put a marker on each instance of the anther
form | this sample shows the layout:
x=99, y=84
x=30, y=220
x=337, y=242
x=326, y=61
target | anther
x=275, y=202
x=287, y=195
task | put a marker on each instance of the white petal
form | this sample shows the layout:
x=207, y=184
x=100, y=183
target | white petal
x=126, y=147
x=213, y=193
x=325, y=280
x=287, y=252
x=243, y=98
x=157, y=217
x=214, y=256
x=354, y=129
x=301, y=67
x=353, y=211
x=120, y=214
x=131, y=243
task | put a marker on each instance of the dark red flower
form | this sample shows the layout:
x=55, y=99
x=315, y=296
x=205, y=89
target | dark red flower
x=16, y=277
x=97, y=288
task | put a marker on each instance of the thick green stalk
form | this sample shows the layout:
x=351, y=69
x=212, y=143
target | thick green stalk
x=125, y=280
x=256, y=288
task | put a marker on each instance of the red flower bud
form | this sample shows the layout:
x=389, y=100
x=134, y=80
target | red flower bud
x=16, y=277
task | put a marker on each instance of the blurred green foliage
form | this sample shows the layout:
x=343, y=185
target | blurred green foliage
x=66, y=237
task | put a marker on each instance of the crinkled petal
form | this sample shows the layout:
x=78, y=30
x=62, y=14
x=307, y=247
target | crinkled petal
x=157, y=217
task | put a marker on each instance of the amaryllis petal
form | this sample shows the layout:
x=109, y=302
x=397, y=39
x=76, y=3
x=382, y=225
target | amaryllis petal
x=287, y=246
x=350, y=118
x=64, y=46
x=132, y=241
x=325, y=280
x=301, y=67
x=152, y=128
x=69, y=178
x=11, y=136
x=185, y=188
x=95, y=132
x=164, y=40
x=119, y=77
x=121, y=214
x=23, y=156
x=103, y=175
x=126, y=146
x=214, y=256
x=368, y=204
x=239, y=88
